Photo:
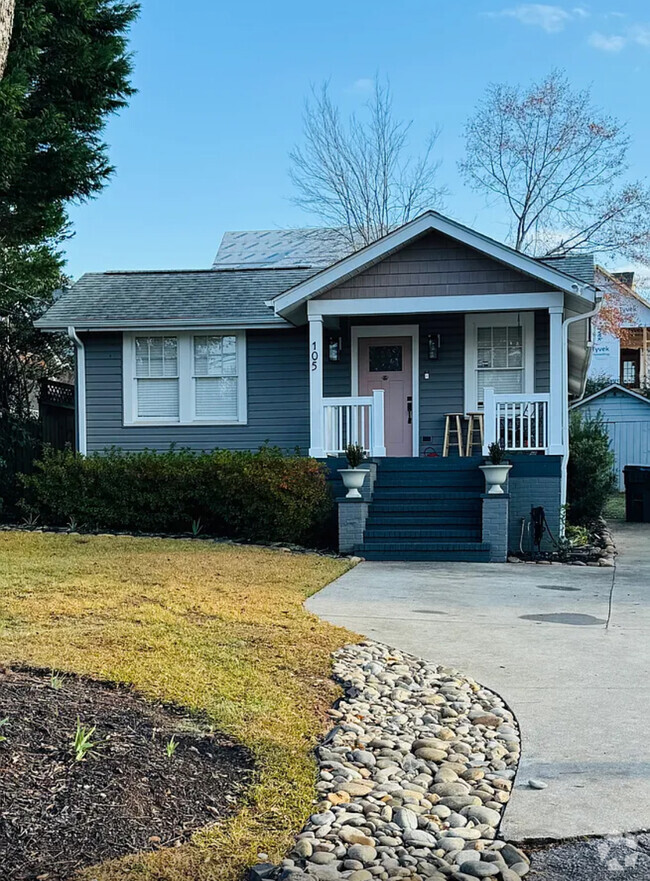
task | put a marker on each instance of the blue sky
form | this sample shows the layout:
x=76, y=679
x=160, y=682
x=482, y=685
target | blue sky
x=203, y=146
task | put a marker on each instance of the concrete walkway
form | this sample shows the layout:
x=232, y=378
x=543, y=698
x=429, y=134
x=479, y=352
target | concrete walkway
x=578, y=681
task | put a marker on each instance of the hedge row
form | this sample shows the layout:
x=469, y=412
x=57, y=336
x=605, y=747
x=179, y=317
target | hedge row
x=262, y=496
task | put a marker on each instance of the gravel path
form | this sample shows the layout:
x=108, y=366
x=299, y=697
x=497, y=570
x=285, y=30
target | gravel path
x=414, y=777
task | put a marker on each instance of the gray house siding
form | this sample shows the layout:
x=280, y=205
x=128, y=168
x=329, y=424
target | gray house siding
x=278, y=399
x=435, y=266
x=444, y=391
x=627, y=420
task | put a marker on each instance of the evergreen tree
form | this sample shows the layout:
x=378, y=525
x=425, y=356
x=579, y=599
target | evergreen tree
x=67, y=70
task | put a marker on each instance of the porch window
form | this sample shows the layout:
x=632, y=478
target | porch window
x=156, y=371
x=500, y=360
x=499, y=354
x=216, y=378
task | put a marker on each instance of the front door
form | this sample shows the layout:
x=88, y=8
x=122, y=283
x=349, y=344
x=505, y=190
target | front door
x=386, y=363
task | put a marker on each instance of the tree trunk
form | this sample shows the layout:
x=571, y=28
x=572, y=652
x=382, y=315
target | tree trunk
x=6, y=24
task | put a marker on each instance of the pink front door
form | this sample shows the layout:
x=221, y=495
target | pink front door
x=386, y=363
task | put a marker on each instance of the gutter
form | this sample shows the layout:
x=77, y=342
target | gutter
x=80, y=395
x=566, y=324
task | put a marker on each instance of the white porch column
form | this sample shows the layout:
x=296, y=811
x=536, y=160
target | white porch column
x=378, y=439
x=316, y=447
x=490, y=432
x=558, y=408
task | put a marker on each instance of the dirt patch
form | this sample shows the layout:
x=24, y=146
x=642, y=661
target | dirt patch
x=130, y=792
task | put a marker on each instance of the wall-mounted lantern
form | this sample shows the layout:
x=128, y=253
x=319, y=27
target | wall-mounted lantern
x=334, y=347
x=433, y=341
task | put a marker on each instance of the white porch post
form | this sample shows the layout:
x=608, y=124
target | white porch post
x=316, y=447
x=558, y=409
x=378, y=440
x=489, y=420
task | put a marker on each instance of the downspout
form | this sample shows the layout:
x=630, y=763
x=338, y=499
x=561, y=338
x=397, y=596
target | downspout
x=80, y=392
x=565, y=391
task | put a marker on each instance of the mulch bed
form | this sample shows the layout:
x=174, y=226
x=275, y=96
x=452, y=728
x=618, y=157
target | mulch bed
x=127, y=794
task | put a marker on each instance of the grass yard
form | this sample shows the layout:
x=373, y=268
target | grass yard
x=219, y=629
x=615, y=507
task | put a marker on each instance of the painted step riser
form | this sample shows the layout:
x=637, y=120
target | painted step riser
x=443, y=544
x=441, y=482
x=425, y=556
x=465, y=535
x=431, y=508
x=420, y=492
x=434, y=463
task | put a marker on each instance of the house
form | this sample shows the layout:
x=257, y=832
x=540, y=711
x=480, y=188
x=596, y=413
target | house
x=294, y=339
x=623, y=357
x=626, y=415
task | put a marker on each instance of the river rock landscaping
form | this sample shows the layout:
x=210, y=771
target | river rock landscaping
x=414, y=777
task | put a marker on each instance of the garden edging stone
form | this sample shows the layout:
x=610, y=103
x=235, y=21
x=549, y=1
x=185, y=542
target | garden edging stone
x=414, y=777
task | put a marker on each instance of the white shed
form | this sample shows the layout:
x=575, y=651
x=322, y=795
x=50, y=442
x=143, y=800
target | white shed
x=627, y=417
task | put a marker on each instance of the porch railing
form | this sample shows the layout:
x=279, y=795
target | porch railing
x=354, y=421
x=520, y=423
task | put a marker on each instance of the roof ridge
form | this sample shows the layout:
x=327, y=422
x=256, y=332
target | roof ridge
x=209, y=271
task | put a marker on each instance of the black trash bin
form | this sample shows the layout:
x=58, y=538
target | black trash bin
x=637, y=493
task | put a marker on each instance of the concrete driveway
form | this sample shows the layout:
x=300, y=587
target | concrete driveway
x=567, y=647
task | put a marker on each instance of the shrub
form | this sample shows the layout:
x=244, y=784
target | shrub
x=597, y=384
x=263, y=496
x=20, y=444
x=591, y=476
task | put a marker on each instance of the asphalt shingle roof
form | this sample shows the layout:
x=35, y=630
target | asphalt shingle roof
x=201, y=295
x=580, y=266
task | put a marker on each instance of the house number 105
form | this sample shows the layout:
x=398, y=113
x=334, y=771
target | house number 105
x=314, y=356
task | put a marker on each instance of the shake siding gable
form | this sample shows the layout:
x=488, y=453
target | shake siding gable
x=278, y=399
x=435, y=266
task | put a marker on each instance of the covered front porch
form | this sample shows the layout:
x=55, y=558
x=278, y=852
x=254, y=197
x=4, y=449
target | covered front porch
x=387, y=382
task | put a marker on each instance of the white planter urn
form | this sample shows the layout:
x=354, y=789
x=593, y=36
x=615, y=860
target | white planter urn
x=353, y=481
x=495, y=477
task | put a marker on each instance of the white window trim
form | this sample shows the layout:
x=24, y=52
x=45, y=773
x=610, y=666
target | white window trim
x=186, y=395
x=497, y=319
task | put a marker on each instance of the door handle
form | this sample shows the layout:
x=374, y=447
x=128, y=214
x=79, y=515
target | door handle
x=409, y=409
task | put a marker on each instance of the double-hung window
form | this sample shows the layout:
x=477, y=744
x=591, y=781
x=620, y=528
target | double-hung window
x=216, y=380
x=156, y=377
x=185, y=378
x=499, y=354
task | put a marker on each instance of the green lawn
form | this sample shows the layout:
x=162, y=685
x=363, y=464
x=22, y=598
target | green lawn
x=216, y=628
x=615, y=507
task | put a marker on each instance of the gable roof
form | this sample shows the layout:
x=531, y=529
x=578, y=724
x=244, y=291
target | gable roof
x=289, y=302
x=105, y=300
x=615, y=386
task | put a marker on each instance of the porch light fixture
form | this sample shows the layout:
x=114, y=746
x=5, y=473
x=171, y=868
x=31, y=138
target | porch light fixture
x=334, y=346
x=433, y=343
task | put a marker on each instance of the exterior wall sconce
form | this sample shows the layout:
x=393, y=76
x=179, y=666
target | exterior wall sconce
x=433, y=341
x=334, y=347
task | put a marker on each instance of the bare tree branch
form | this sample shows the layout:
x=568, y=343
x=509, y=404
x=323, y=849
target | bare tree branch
x=358, y=176
x=559, y=164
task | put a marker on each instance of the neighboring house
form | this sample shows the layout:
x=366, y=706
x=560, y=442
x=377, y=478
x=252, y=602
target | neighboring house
x=626, y=415
x=292, y=340
x=623, y=359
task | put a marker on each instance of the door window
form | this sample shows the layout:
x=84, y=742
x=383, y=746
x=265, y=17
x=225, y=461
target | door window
x=384, y=359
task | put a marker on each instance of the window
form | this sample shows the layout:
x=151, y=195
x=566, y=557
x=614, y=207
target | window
x=499, y=354
x=185, y=378
x=156, y=371
x=215, y=378
x=500, y=360
x=384, y=359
